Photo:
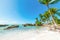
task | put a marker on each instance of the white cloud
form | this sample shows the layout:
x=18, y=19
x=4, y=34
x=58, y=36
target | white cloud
x=7, y=22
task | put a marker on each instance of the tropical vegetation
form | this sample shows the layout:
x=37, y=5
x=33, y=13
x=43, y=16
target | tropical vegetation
x=52, y=15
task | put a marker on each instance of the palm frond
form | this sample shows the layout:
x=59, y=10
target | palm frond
x=58, y=10
x=58, y=13
x=44, y=1
x=53, y=2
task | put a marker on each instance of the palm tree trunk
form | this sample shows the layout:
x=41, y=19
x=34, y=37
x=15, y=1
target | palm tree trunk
x=54, y=23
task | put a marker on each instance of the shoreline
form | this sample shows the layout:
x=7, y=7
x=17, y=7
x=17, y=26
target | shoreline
x=43, y=34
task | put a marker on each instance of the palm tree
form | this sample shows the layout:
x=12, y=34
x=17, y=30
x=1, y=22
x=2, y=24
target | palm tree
x=37, y=22
x=54, y=11
x=42, y=18
x=47, y=3
x=46, y=16
x=57, y=20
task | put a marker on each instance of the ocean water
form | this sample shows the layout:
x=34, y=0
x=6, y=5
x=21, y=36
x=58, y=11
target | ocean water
x=20, y=28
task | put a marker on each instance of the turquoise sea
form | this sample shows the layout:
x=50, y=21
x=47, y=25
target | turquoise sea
x=20, y=28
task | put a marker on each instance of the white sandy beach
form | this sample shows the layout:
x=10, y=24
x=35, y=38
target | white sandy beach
x=31, y=35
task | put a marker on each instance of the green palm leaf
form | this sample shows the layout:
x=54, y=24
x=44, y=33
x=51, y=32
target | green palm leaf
x=58, y=13
x=53, y=2
x=44, y=1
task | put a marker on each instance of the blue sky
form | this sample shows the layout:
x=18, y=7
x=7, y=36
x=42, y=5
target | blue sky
x=21, y=11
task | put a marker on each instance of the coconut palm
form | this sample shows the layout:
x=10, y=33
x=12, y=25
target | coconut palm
x=46, y=16
x=42, y=18
x=37, y=22
x=54, y=11
x=47, y=3
x=57, y=20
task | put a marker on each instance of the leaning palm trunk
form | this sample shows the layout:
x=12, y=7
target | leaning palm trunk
x=54, y=23
x=47, y=2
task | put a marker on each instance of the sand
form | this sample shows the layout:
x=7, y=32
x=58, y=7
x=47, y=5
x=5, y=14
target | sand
x=31, y=35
